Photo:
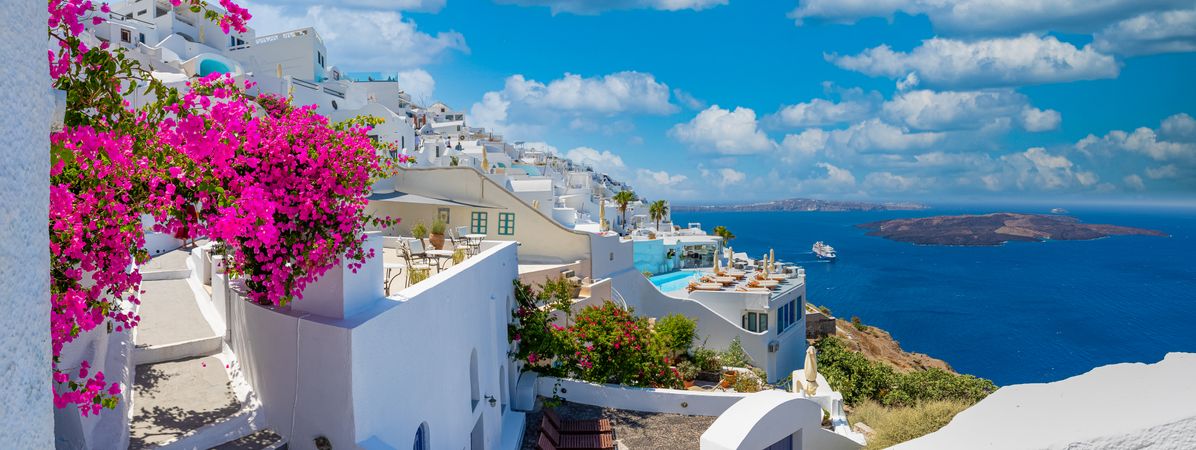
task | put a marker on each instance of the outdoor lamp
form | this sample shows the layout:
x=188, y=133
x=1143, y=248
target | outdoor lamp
x=490, y=398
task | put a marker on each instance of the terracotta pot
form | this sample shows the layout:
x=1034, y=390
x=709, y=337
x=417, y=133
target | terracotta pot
x=729, y=377
x=437, y=241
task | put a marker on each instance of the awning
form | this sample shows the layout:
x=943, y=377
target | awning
x=403, y=197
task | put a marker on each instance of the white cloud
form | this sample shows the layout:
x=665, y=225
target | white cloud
x=688, y=99
x=604, y=160
x=821, y=112
x=659, y=178
x=528, y=108
x=950, y=63
x=361, y=39
x=728, y=132
x=730, y=176
x=836, y=178
x=874, y=135
x=954, y=110
x=889, y=182
x=1038, y=169
x=418, y=83
x=798, y=147
x=429, y=6
x=988, y=16
x=1134, y=182
x=1154, y=32
x=1145, y=141
x=1034, y=119
x=595, y=7
x=491, y=112
x=613, y=93
x=1161, y=172
x=1180, y=127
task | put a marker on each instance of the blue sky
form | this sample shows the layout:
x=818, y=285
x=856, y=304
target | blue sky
x=723, y=100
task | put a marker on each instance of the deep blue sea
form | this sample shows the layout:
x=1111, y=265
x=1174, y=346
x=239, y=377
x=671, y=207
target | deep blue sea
x=1019, y=313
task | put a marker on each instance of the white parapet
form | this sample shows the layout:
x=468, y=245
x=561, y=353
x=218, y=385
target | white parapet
x=1119, y=406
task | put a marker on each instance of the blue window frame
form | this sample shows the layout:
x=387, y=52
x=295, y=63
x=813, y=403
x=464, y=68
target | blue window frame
x=506, y=224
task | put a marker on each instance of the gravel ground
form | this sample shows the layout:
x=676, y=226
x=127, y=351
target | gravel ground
x=634, y=430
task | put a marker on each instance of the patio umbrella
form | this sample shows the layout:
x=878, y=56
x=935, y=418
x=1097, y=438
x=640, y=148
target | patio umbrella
x=811, y=371
x=602, y=213
x=772, y=260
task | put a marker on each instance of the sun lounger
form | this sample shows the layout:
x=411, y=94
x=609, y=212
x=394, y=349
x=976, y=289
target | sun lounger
x=577, y=426
x=575, y=441
x=725, y=281
x=705, y=287
x=758, y=290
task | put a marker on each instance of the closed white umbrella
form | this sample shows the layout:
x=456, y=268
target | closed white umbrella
x=811, y=371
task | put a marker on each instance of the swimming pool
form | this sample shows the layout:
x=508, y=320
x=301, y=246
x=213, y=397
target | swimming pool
x=672, y=281
x=531, y=170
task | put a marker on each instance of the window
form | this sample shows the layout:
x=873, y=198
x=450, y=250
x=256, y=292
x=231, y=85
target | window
x=421, y=438
x=763, y=322
x=141, y=37
x=751, y=321
x=477, y=223
x=506, y=224
x=126, y=35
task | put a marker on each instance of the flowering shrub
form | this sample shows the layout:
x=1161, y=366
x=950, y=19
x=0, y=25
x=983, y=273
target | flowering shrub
x=604, y=344
x=284, y=192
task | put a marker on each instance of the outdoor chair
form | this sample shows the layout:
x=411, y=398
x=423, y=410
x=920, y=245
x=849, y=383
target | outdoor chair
x=577, y=426
x=575, y=441
x=416, y=248
x=412, y=266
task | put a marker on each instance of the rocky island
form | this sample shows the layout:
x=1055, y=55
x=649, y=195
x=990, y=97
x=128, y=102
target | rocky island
x=803, y=204
x=995, y=229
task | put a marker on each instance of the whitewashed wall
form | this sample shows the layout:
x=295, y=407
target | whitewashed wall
x=377, y=374
x=674, y=401
x=26, y=411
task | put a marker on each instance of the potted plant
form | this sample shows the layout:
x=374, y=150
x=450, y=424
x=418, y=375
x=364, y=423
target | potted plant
x=419, y=231
x=437, y=239
x=730, y=376
x=688, y=371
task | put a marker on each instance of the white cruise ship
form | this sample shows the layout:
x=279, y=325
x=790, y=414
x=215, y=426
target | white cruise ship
x=824, y=251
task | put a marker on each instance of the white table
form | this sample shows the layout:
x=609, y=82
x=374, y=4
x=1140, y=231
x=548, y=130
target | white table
x=441, y=256
x=474, y=241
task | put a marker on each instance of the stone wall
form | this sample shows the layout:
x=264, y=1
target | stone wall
x=26, y=411
x=819, y=325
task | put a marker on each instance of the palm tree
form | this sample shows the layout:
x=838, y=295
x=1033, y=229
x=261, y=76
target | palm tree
x=657, y=211
x=624, y=198
x=724, y=233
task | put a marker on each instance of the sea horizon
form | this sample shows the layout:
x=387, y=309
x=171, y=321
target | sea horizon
x=1021, y=312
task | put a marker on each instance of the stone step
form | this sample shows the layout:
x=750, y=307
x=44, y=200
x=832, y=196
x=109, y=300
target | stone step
x=172, y=325
x=261, y=440
x=176, y=399
x=171, y=265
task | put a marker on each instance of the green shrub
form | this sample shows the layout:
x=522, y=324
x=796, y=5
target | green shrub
x=859, y=326
x=894, y=425
x=735, y=356
x=419, y=230
x=706, y=359
x=746, y=383
x=825, y=310
x=688, y=370
x=676, y=332
x=438, y=226
x=605, y=344
x=859, y=378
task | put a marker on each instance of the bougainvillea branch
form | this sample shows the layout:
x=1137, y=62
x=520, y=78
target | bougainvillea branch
x=282, y=193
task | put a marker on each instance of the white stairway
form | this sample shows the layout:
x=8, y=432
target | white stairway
x=188, y=392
